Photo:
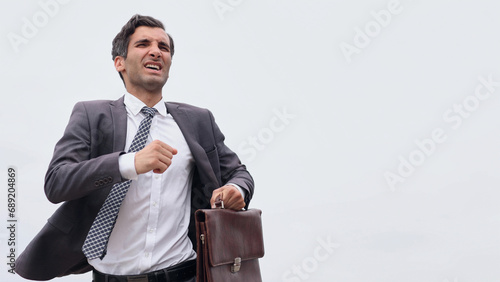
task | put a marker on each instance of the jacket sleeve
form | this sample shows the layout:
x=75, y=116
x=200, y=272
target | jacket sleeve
x=231, y=168
x=74, y=172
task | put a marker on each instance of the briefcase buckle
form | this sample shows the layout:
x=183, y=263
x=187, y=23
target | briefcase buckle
x=236, y=266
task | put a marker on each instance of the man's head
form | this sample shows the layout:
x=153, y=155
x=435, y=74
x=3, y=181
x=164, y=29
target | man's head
x=145, y=38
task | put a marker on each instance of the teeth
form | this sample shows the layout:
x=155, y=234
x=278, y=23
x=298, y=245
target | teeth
x=153, y=66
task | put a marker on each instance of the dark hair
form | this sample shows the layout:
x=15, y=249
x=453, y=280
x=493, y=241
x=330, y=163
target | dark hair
x=122, y=39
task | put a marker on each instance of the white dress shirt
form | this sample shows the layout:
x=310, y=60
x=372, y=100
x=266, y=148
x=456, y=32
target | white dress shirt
x=150, y=232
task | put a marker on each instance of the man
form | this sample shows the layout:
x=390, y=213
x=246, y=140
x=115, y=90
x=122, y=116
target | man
x=184, y=166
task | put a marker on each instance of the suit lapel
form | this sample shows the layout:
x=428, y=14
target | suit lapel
x=188, y=129
x=119, y=120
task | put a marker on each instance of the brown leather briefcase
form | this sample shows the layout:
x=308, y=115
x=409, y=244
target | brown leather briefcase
x=229, y=245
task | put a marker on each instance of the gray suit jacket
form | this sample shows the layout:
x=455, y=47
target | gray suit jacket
x=84, y=167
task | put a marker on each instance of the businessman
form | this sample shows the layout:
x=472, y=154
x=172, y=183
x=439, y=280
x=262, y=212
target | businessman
x=130, y=173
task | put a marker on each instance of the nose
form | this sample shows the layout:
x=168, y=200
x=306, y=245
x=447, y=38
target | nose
x=155, y=52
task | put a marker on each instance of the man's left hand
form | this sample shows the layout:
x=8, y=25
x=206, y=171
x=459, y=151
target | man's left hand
x=231, y=197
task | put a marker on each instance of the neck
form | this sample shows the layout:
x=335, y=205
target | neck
x=148, y=98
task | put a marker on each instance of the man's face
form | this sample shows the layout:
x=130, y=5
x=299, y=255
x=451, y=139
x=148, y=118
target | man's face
x=148, y=60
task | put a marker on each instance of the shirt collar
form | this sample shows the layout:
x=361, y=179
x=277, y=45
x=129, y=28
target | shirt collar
x=134, y=105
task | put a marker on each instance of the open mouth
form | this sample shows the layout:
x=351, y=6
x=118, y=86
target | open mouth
x=153, y=66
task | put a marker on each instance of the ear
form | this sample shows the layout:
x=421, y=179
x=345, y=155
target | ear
x=119, y=63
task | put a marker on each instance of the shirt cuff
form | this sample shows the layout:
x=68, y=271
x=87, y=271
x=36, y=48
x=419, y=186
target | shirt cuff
x=243, y=192
x=126, y=164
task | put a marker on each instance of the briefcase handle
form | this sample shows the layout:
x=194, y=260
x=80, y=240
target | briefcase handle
x=219, y=204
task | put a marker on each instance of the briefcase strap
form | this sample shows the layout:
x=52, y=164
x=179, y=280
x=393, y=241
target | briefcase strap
x=202, y=260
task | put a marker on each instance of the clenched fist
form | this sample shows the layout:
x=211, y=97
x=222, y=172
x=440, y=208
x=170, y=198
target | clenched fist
x=156, y=156
x=231, y=197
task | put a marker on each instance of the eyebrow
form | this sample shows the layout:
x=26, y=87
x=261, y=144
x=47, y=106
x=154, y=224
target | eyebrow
x=145, y=40
x=164, y=44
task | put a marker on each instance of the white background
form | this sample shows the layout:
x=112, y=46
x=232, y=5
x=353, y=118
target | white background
x=329, y=125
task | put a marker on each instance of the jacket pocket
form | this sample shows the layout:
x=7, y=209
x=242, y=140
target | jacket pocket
x=213, y=158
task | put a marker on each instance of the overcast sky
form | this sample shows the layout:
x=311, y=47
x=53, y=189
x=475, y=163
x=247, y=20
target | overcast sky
x=371, y=127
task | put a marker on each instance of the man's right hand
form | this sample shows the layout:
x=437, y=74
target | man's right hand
x=156, y=156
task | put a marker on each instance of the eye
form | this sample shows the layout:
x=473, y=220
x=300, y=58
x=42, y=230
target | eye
x=164, y=47
x=142, y=43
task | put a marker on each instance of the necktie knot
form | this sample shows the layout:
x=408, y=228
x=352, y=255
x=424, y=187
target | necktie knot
x=149, y=112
